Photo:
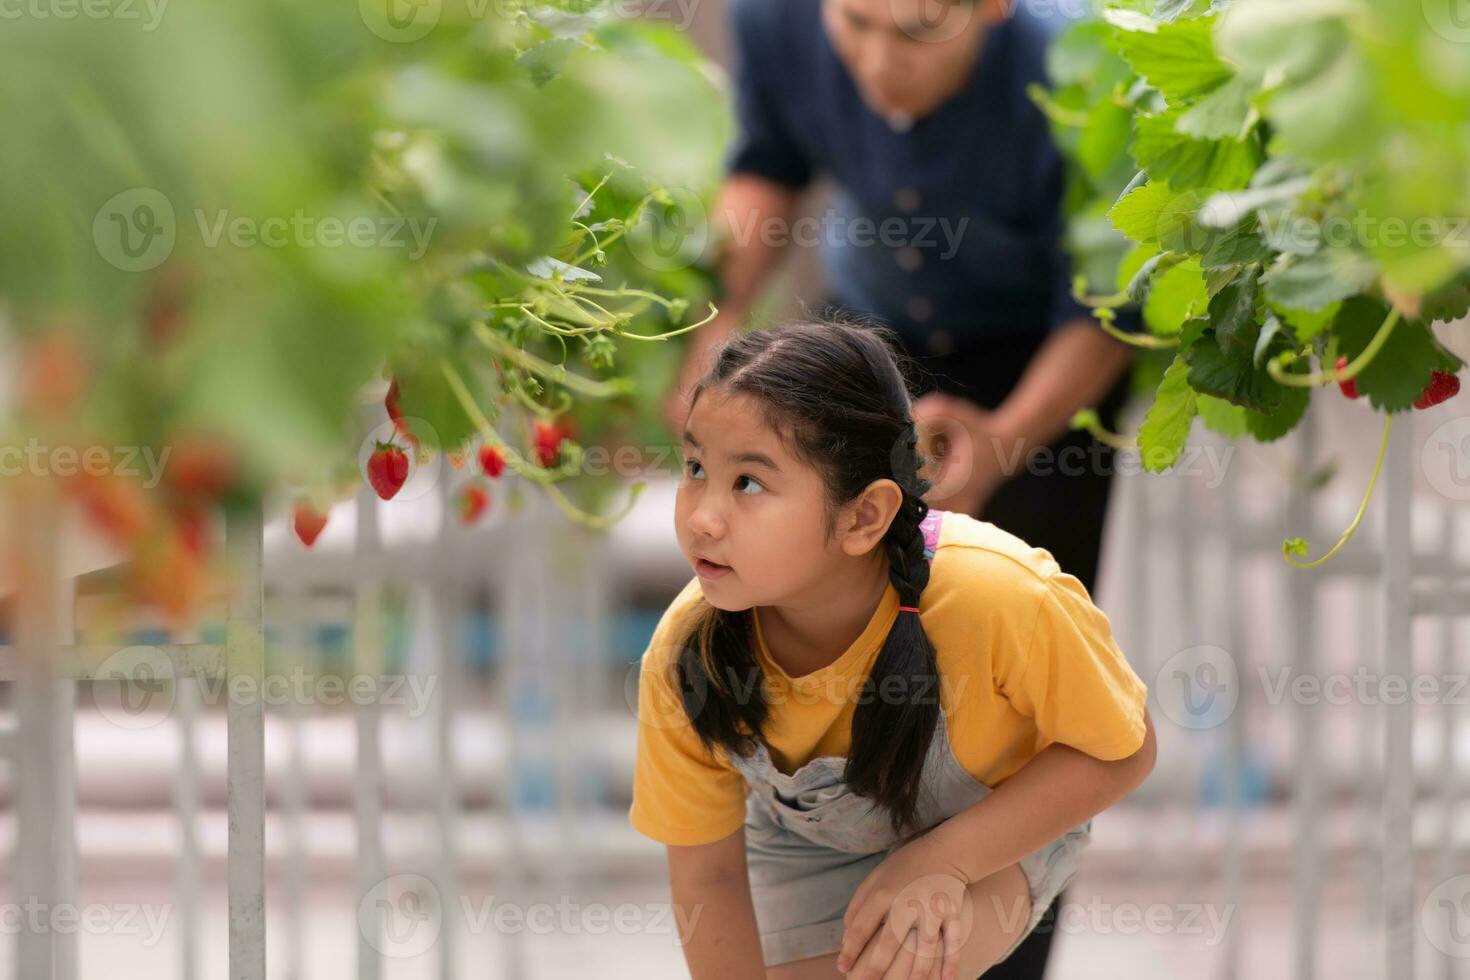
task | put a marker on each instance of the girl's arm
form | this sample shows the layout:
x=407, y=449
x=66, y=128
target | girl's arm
x=716, y=917
x=1055, y=791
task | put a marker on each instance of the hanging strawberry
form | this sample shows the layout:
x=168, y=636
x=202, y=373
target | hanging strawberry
x=474, y=500
x=200, y=467
x=491, y=461
x=1350, y=386
x=393, y=403
x=547, y=440
x=307, y=522
x=1442, y=386
x=388, y=469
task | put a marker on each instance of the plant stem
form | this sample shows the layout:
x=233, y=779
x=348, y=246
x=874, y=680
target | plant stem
x=713, y=312
x=1087, y=419
x=516, y=464
x=1146, y=341
x=1281, y=376
x=554, y=372
x=1362, y=508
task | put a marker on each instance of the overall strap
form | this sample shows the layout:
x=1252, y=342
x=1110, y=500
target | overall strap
x=930, y=526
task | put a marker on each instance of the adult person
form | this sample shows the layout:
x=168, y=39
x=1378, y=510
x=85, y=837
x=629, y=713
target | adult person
x=945, y=224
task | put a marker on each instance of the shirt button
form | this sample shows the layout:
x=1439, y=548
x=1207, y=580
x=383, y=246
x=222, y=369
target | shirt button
x=909, y=259
x=906, y=199
x=940, y=343
x=920, y=309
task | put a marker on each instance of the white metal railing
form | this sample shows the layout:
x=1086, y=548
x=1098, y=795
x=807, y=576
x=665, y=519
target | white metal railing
x=552, y=592
x=1165, y=521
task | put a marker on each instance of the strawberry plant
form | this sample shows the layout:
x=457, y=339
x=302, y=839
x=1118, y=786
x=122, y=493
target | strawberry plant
x=234, y=227
x=1278, y=188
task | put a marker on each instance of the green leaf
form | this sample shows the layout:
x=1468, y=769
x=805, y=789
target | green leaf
x=1316, y=281
x=1402, y=367
x=1271, y=329
x=1192, y=330
x=1102, y=147
x=1449, y=302
x=1225, y=113
x=544, y=60
x=546, y=267
x=1306, y=324
x=1166, y=426
x=431, y=410
x=1286, y=40
x=1231, y=376
x=1283, y=418
x=1177, y=295
x=1155, y=213
x=1230, y=208
x=1177, y=58
x=1233, y=312
x=1183, y=161
x=1222, y=417
x=1234, y=246
x=1167, y=10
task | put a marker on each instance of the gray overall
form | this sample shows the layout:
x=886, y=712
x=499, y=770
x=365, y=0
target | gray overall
x=810, y=841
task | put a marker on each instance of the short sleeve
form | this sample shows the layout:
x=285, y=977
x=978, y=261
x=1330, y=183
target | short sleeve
x=1074, y=681
x=682, y=794
x=763, y=143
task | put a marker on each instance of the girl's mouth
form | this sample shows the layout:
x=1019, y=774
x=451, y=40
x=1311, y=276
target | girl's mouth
x=708, y=569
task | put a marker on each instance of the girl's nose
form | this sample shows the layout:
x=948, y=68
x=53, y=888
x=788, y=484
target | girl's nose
x=707, y=520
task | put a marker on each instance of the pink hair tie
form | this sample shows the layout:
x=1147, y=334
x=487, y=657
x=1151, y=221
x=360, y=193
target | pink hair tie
x=908, y=608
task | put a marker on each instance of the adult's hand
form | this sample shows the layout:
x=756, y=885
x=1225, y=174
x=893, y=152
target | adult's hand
x=968, y=461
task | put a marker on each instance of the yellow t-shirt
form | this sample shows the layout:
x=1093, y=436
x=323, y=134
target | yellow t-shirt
x=1025, y=659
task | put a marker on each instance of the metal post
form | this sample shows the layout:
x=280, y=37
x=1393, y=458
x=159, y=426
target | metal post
x=367, y=787
x=1445, y=866
x=1301, y=609
x=1234, y=856
x=444, y=604
x=1398, y=718
x=187, y=884
x=245, y=653
x=37, y=744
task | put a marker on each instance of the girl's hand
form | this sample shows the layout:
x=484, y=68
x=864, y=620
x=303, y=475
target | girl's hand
x=922, y=903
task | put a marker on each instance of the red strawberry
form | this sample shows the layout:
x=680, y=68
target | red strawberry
x=548, y=443
x=167, y=574
x=167, y=305
x=491, y=461
x=307, y=522
x=1442, y=385
x=388, y=469
x=474, y=500
x=201, y=467
x=193, y=527
x=1350, y=386
x=456, y=458
x=393, y=404
x=53, y=374
x=116, y=506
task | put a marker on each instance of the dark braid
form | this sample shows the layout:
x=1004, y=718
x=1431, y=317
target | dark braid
x=836, y=392
x=890, y=740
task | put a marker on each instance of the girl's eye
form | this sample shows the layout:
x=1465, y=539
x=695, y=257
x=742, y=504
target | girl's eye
x=689, y=469
x=751, y=480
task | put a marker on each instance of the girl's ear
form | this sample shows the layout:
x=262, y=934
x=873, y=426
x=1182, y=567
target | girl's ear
x=868, y=517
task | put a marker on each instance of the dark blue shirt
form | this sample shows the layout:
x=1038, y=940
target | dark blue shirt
x=949, y=231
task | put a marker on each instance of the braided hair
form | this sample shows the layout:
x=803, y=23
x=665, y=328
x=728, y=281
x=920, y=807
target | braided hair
x=837, y=392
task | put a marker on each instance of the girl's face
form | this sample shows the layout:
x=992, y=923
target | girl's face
x=750, y=516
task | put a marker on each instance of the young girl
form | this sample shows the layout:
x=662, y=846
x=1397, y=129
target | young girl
x=872, y=736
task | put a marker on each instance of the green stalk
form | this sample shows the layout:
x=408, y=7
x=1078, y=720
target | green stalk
x=1293, y=546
